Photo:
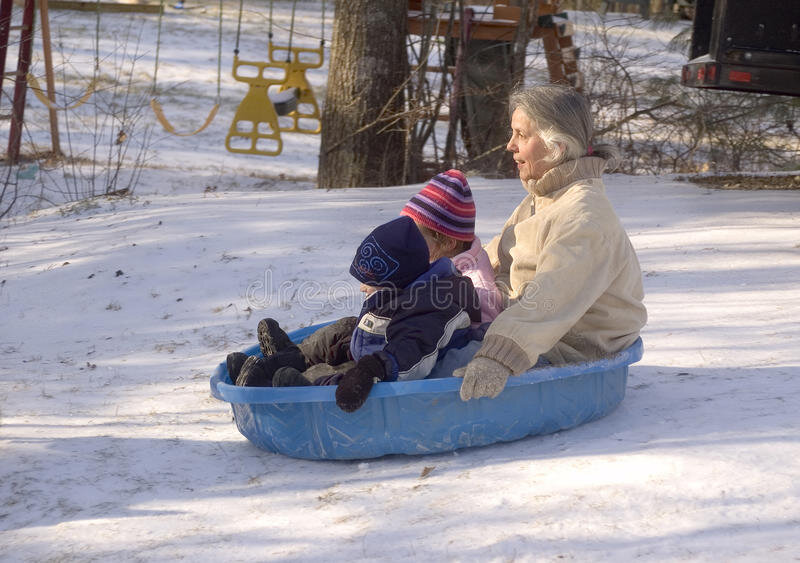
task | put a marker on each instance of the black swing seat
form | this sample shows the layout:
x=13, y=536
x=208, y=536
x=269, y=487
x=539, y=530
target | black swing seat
x=285, y=101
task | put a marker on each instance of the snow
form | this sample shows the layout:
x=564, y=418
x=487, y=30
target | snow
x=117, y=310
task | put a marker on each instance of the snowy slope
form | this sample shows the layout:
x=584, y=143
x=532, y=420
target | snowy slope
x=112, y=448
x=115, y=312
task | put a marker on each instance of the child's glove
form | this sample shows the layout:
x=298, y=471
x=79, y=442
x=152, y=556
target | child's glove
x=483, y=377
x=356, y=383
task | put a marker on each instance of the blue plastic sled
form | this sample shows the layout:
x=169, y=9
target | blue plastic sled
x=422, y=417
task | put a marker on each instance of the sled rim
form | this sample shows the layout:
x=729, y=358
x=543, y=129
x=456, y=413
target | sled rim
x=233, y=394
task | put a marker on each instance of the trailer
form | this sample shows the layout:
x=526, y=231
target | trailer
x=745, y=45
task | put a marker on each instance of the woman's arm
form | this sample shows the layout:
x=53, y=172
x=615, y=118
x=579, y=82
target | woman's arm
x=574, y=268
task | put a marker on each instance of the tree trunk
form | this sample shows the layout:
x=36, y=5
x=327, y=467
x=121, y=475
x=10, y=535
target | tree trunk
x=486, y=84
x=362, y=144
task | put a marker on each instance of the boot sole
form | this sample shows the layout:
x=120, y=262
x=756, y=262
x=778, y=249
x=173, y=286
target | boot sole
x=267, y=342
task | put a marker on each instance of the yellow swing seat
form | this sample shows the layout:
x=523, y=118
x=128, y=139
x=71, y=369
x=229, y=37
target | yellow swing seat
x=155, y=105
x=40, y=94
x=307, y=108
x=255, y=128
x=285, y=101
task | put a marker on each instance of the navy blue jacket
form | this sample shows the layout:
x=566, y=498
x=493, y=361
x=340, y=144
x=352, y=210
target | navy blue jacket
x=409, y=327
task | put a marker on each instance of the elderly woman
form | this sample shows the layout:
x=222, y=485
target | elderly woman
x=563, y=261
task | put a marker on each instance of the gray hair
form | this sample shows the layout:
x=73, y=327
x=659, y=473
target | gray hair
x=563, y=119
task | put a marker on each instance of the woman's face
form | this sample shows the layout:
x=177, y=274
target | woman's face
x=529, y=150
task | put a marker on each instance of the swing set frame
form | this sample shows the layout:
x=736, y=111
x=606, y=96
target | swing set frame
x=257, y=117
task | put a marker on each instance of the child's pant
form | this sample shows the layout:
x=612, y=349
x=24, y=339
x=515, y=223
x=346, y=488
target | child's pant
x=327, y=349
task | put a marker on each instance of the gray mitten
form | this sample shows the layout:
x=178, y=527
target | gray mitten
x=483, y=377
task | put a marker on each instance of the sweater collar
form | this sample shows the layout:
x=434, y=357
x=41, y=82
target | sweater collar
x=565, y=174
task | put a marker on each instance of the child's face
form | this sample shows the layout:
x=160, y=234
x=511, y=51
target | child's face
x=367, y=290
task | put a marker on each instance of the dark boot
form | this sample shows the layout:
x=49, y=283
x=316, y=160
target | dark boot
x=234, y=363
x=289, y=377
x=258, y=372
x=272, y=338
x=255, y=373
x=291, y=357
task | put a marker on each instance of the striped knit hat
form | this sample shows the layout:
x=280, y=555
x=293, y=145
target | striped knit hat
x=445, y=205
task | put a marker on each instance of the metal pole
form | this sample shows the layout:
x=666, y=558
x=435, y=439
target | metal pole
x=5, y=27
x=21, y=83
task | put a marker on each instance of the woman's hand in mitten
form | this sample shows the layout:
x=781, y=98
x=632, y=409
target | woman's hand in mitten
x=356, y=383
x=483, y=377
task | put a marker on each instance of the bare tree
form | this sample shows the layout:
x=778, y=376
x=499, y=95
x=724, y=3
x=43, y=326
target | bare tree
x=663, y=127
x=8, y=191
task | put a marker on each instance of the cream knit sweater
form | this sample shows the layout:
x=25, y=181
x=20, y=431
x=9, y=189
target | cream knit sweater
x=568, y=271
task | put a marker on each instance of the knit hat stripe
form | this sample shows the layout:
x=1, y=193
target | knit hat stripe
x=461, y=213
x=445, y=205
x=426, y=220
x=447, y=201
x=440, y=214
x=451, y=188
x=455, y=178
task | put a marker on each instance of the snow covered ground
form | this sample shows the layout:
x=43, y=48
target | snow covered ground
x=112, y=448
x=116, y=311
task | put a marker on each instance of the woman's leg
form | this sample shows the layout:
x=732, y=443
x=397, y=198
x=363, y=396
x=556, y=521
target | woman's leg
x=454, y=358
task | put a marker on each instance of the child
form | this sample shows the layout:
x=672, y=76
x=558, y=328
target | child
x=445, y=214
x=413, y=311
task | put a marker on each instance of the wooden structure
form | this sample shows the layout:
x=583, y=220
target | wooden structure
x=545, y=22
x=484, y=56
x=120, y=6
x=23, y=79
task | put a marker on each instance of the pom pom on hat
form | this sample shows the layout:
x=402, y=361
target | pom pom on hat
x=393, y=254
x=445, y=205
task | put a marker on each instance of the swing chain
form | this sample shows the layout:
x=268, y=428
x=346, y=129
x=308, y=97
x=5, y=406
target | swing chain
x=219, y=56
x=291, y=34
x=238, y=28
x=269, y=32
x=158, y=48
x=41, y=93
x=156, y=106
x=322, y=27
